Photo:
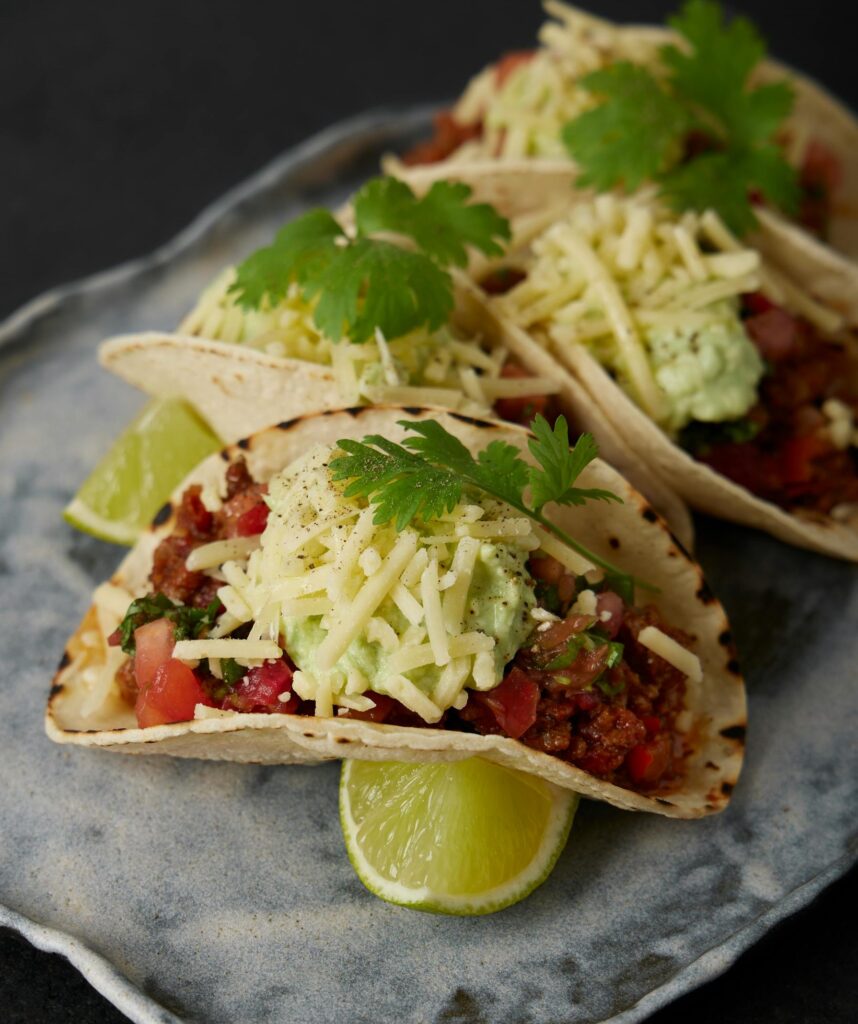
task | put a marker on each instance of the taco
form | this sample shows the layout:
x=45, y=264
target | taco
x=519, y=111
x=278, y=617
x=243, y=367
x=724, y=375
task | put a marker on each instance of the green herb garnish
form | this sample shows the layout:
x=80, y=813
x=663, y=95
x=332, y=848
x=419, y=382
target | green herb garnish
x=699, y=438
x=232, y=671
x=426, y=476
x=641, y=128
x=364, y=283
x=590, y=640
x=188, y=623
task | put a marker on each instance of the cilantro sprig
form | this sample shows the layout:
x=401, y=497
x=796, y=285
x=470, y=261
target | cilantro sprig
x=395, y=283
x=641, y=129
x=188, y=623
x=427, y=475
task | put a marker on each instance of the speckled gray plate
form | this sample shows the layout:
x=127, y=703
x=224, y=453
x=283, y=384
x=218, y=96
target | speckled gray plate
x=221, y=893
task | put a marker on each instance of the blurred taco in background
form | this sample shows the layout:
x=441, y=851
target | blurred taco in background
x=725, y=376
x=328, y=317
x=395, y=584
x=694, y=108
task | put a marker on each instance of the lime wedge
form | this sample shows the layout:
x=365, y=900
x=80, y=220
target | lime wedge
x=460, y=837
x=147, y=461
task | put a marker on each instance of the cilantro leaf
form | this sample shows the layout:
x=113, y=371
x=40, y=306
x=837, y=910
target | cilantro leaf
x=631, y=137
x=363, y=283
x=560, y=466
x=639, y=130
x=402, y=485
x=372, y=283
x=722, y=55
x=188, y=622
x=300, y=252
x=442, y=222
x=427, y=475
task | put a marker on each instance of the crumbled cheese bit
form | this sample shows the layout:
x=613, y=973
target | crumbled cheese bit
x=369, y=561
x=673, y=653
x=543, y=615
x=585, y=603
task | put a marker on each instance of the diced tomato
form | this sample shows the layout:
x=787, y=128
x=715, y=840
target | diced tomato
x=519, y=410
x=649, y=761
x=775, y=333
x=449, y=135
x=559, y=632
x=756, y=302
x=513, y=703
x=612, y=604
x=652, y=724
x=797, y=457
x=546, y=569
x=192, y=517
x=171, y=696
x=253, y=521
x=821, y=167
x=509, y=62
x=384, y=705
x=585, y=669
x=154, y=644
x=260, y=689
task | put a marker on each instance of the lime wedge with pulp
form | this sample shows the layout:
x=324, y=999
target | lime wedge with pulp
x=458, y=837
x=147, y=461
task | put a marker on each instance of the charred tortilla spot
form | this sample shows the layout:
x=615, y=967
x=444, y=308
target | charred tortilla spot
x=472, y=421
x=661, y=800
x=308, y=736
x=224, y=454
x=614, y=542
x=343, y=739
x=353, y=410
x=288, y=424
x=704, y=594
x=649, y=514
x=243, y=444
x=725, y=638
x=55, y=689
x=735, y=732
x=712, y=765
x=163, y=514
x=727, y=787
x=412, y=410
x=64, y=660
x=733, y=667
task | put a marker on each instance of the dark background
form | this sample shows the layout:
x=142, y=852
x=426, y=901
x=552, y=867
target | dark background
x=120, y=121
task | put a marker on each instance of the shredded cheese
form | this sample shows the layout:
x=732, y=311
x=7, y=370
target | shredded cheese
x=675, y=654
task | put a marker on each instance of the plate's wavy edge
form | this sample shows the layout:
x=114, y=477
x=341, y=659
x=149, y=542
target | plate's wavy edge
x=96, y=968
x=378, y=118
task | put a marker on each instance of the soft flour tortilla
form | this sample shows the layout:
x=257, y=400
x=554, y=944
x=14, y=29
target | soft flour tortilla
x=240, y=390
x=537, y=191
x=519, y=190
x=631, y=534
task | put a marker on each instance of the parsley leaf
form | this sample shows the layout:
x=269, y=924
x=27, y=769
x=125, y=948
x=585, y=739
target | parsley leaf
x=633, y=136
x=560, y=466
x=639, y=130
x=442, y=222
x=362, y=283
x=188, y=622
x=427, y=475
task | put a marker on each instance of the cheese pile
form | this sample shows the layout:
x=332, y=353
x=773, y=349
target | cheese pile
x=420, y=368
x=420, y=615
x=525, y=114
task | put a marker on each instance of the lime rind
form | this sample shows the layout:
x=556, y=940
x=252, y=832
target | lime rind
x=425, y=838
x=142, y=468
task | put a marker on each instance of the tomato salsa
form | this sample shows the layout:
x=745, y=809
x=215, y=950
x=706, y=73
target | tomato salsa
x=582, y=688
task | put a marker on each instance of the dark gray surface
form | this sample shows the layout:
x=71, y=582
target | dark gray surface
x=119, y=122
x=223, y=891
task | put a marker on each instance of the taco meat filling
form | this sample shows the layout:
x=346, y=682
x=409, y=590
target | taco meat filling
x=796, y=446
x=583, y=687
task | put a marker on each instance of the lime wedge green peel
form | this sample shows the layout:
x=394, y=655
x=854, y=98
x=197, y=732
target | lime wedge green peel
x=459, y=837
x=147, y=461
